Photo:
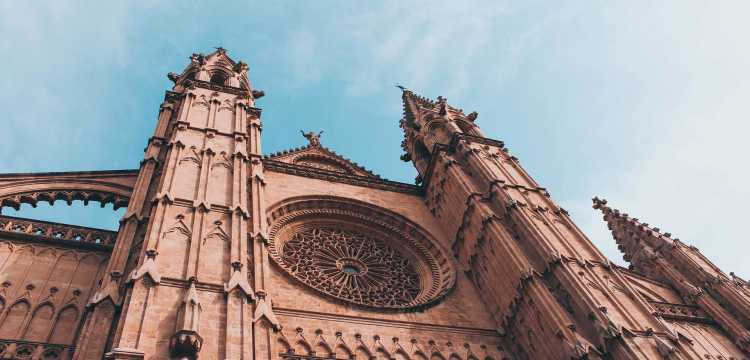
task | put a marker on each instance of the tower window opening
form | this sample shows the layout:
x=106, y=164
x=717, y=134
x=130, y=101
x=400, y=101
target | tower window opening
x=218, y=79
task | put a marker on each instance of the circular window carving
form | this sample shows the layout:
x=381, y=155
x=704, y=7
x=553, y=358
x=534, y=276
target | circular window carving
x=358, y=253
x=351, y=265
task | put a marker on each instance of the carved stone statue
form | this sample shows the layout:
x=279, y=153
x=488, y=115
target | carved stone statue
x=312, y=137
x=442, y=105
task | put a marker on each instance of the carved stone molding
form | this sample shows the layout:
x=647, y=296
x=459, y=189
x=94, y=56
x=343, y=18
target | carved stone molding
x=17, y=349
x=61, y=234
x=316, y=173
x=340, y=223
x=681, y=312
x=334, y=345
x=102, y=186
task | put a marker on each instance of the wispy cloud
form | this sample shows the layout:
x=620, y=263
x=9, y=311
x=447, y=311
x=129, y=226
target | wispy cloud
x=643, y=103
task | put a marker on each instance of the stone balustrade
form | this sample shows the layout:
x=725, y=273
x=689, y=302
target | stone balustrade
x=680, y=312
x=28, y=350
x=54, y=231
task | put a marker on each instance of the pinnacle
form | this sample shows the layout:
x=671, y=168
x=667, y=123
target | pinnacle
x=630, y=233
x=599, y=203
x=615, y=217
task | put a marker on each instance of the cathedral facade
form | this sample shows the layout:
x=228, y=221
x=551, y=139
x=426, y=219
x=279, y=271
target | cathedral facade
x=227, y=253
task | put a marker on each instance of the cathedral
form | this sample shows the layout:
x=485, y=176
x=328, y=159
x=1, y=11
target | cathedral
x=225, y=252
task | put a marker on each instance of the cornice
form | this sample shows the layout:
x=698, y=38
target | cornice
x=680, y=312
x=96, y=173
x=45, y=240
x=362, y=320
x=222, y=88
x=321, y=174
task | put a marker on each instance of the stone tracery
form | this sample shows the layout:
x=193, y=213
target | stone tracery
x=351, y=265
x=358, y=253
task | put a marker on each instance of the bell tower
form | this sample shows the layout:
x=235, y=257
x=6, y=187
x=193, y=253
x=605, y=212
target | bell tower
x=428, y=124
x=183, y=258
x=539, y=275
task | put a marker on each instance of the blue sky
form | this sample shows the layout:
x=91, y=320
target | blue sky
x=644, y=103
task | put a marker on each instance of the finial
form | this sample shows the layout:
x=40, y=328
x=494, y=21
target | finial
x=173, y=77
x=312, y=137
x=442, y=105
x=401, y=87
x=598, y=203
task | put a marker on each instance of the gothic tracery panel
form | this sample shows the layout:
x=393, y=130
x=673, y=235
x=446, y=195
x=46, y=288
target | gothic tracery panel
x=351, y=265
x=360, y=254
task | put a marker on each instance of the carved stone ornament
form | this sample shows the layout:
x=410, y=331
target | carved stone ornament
x=185, y=345
x=358, y=253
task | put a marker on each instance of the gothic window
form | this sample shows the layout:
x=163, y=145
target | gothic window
x=358, y=253
x=351, y=265
x=41, y=322
x=15, y=317
x=65, y=326
x=421, y=155
x=218, y=78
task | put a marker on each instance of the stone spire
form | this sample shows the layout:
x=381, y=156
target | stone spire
x=430, y=123
x=637, y=241
x=657, y=255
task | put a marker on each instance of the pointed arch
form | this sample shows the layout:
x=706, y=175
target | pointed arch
x=44, y=262
x=383, y=354
x=6, y=249
x=343, y=350
x=438, y=131
x=102, y=186
x=362, y=352
x=419, y=355
x=421, y=155
x=400, y=353
x=17, y=265
x=322, y=349
x=436, y=355
x=284, y=344
x=221, y=178
x=10, y=328
x=63, y=331
x=41, y=323
x=218, y=78
x=305, y=346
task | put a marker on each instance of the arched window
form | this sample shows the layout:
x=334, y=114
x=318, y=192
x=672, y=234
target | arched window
x=11, y=326
x=421, y=156
x=41, y=323
x=218, y=78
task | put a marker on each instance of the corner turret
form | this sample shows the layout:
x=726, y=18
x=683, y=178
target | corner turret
x=215, y=69
x=430, y=123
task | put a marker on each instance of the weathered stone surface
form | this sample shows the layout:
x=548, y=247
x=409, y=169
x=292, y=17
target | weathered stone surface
x=225, y=253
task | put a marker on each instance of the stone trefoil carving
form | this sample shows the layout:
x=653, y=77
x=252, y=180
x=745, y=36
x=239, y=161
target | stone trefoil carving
x=352, y=266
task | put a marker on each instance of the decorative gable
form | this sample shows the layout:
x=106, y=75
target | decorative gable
x=317, y=156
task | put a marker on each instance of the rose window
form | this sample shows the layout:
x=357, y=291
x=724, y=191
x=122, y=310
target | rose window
x=358, y=253
x=352, y=266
